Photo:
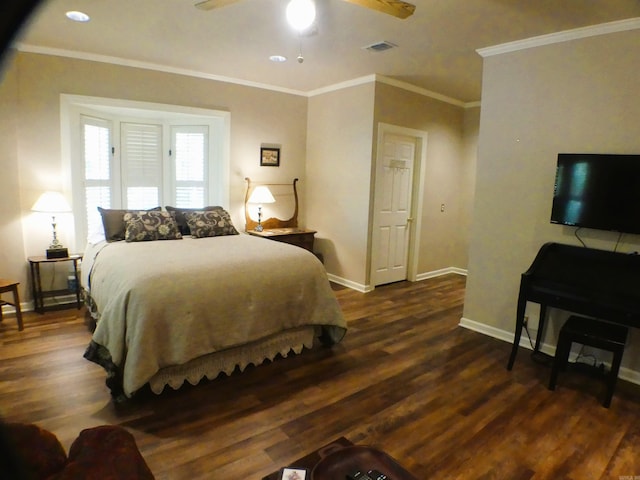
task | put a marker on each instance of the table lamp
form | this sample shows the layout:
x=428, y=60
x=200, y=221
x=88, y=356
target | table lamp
x=53, y=202
x=260, y=195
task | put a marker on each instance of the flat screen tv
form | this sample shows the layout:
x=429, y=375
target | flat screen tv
x=599, y=191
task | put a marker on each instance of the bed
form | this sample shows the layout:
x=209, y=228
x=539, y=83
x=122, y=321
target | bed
x=180, y=310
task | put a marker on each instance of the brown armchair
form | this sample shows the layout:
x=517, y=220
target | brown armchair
x=107, y=452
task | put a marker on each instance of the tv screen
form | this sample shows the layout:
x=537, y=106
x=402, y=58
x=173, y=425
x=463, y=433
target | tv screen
x=599, y=191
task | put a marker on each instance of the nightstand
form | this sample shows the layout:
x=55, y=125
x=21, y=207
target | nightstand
x=295, y=236
x=36, y=283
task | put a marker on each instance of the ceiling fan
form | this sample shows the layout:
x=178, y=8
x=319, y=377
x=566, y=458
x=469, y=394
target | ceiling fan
x=397, y=8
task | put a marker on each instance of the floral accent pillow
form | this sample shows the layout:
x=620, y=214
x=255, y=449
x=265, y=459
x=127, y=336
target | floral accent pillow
x=212, y=223
x=150, y=225
x=114, y=224
x=181, y=220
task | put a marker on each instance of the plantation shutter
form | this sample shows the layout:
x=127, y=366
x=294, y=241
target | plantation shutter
x=141, y=165
x=189, y=147
x=96, y=144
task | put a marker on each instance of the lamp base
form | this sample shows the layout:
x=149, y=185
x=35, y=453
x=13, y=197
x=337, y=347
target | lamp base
x=57, y=252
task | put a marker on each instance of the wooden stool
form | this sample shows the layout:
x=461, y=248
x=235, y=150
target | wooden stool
x=11, y=286
x=595, y=333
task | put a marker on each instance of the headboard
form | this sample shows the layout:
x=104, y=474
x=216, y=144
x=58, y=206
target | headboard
x=272, y=222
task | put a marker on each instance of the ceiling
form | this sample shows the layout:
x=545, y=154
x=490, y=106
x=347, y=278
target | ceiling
x=436, y=47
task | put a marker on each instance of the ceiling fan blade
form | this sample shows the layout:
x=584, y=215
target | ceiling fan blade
x=211, y=4
x=397, y=8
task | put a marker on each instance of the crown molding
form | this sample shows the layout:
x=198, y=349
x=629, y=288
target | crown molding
x=22, y=47
x=559, y=37
x=150, y=66
x=421, y=91
x=342, y=85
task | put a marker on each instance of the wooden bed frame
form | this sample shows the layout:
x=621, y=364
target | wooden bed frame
x=272, y=222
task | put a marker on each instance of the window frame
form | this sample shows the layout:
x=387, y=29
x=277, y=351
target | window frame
x=73, y=106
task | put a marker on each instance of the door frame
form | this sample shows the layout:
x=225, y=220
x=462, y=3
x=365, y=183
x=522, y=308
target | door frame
x=417, y=195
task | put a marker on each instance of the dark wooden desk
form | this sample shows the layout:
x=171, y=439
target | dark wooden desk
x=36, y=283
x=590, y=282
x=295, y=236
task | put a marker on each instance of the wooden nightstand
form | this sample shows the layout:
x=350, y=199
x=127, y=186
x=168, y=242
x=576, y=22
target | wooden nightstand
x=295, y=236
x=36, y=283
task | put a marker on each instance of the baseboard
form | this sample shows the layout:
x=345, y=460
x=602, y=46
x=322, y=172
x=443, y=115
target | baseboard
x=10, y=309
x=626, y=374
x=438, y=273
x=349, y=284
x=30, y=306
x=421, y=276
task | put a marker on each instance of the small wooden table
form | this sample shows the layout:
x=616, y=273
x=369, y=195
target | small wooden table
x=36, y=283
x=295, y=236
x=340, y=457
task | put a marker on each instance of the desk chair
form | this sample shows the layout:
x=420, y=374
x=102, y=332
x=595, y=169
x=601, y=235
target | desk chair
x=595, y=333
x=7, y=286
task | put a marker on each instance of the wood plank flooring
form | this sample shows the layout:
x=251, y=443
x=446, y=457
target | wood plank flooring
x=406, y=379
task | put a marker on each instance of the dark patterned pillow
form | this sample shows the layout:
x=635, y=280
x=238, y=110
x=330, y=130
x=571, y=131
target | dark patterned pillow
x=181, y=220
x=146, y=226
x=212, y=223
x=113, y=222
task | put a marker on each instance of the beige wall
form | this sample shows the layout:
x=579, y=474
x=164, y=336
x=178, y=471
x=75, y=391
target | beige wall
x=577, y=96
x=12, y=256
x=340, y=140
x=32, y=160
x=327, y=141
x=443, y=238
x=471, y=131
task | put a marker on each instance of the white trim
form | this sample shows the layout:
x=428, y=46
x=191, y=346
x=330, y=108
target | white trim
x=417, y=191
x=421, y=91
x=349, y=284
x=91, y=57
x=421, y=276
x=218, y=121
x=564, y=36
x=438, y=273
x=626, y=374
x=342, y=85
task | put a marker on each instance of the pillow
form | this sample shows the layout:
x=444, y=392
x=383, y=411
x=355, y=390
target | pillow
x=113, y=222
x=150, y=225
x=212, y=223
x=182, y=220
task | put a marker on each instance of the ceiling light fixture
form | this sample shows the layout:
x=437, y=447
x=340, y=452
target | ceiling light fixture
x=278, y=58
x=77, y=16
x=301, y=14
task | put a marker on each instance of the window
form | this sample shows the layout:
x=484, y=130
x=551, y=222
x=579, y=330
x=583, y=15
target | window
x=96, y=154
x=188, y=151
x=139, y=156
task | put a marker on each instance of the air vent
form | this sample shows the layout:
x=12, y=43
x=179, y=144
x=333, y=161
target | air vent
x=379, y=46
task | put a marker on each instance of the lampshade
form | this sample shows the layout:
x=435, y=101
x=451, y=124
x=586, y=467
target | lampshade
x=51, y=202
x=261, y=195
x=301, y=14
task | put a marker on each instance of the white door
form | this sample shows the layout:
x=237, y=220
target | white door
x=392, y=208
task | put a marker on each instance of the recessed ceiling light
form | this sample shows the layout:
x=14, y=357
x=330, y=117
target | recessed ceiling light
x=77, y=16
x=278, y=58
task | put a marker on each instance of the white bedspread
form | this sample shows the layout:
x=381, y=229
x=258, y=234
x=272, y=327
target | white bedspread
x=162, y=304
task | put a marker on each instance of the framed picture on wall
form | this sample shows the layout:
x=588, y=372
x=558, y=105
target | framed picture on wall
x=269, y=157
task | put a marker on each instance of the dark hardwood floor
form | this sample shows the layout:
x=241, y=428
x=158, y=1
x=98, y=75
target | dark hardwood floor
x=405, y=379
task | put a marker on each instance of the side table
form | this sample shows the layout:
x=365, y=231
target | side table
x=295, y=236
x=36, y=283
